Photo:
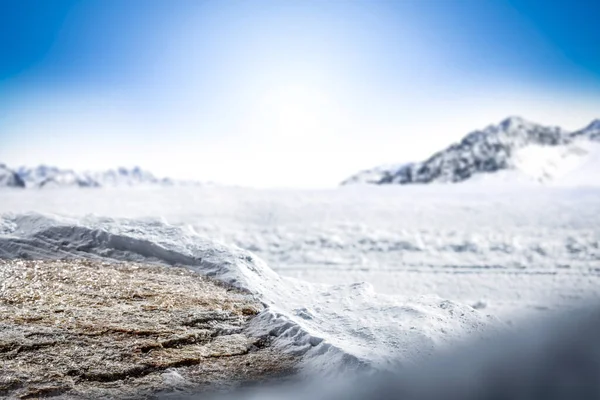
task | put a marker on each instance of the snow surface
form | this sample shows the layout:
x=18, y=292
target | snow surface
x=587, y=168
x=574, y=164
x=358, y=275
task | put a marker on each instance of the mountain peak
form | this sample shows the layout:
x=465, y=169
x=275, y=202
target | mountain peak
x=515, y=124
x=593, y=126
x=9, y=178
x=511, y=126
x=492, y=149
x=592, y=131
x=513, y=121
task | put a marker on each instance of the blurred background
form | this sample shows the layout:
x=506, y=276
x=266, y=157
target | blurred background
x=282, y=93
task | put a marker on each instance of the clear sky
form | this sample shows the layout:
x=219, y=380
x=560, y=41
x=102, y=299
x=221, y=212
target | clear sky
x=283, y=92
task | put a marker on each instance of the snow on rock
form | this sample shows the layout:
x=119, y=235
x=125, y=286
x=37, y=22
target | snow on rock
x=538, y=153
x=9, y=178
x=339, y=327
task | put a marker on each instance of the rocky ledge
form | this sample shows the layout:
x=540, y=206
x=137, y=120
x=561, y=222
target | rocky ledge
x=85, y=329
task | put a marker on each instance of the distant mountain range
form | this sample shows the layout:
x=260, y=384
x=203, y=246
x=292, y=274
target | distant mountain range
x=514, y=149
x=52, y=177
x=9, y=178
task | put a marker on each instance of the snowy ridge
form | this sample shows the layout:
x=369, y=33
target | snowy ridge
x=375, y=175
x=592, y=131
x=344, y=326
x=535, y=152
x=44, y=176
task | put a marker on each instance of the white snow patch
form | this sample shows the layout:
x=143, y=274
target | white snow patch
x=550, y=163
x=587, y=170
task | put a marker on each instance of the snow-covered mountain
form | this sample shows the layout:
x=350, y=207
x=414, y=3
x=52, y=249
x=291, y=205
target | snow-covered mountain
x=513, y=149
x=592, y=131
x=44, y=176
x=9, y=178
x=128, y=177
x=375, y=175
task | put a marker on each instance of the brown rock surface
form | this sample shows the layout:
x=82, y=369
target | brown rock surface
x=86, y=329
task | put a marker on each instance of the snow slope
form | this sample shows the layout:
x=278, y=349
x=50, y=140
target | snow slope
x=375, y=175
x=591, y=132
x=528, y=152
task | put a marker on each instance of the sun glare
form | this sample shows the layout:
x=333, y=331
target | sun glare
x=295, y=110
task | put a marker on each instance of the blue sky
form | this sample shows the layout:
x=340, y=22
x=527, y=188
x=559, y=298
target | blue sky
x=283, y=93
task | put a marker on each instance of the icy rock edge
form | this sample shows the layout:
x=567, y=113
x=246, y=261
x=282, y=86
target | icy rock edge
x=332, y=328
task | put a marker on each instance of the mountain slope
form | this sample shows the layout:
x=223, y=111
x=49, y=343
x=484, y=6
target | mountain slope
x=536, y=152
x=127, y=177
x=9, y=178
x=591, y=132
x=375, y=175
x=44, y=176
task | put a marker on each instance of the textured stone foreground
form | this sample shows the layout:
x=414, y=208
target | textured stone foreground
x=87, y=329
